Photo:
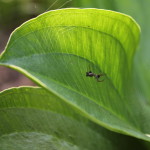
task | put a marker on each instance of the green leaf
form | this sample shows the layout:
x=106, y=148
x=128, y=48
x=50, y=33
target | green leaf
x=56, y=50
x=140, y=11
x=32, y=118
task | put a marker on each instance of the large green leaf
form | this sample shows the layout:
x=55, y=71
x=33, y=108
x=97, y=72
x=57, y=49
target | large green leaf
x=140, y=11
x=33, y=119
x=57, y=48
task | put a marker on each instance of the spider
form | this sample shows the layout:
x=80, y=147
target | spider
x=97, y=76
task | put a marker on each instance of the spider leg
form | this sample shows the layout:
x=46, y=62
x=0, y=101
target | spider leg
x=98, y=76
x=100, y=80
x=101, y=74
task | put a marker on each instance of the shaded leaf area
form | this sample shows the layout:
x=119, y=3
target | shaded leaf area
x=56, y=50
x=32, y=118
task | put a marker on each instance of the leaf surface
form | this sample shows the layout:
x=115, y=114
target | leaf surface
x=32, y=118
x=56, y=50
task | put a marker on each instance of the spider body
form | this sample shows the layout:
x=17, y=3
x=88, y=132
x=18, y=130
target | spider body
x=97, y=76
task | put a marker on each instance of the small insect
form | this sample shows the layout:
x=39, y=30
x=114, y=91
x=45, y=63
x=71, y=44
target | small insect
x=97, y=76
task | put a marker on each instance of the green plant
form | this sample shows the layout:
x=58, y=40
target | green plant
x=71, y=111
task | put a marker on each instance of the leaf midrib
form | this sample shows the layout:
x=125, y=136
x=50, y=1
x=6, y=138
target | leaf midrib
x=76, y=106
